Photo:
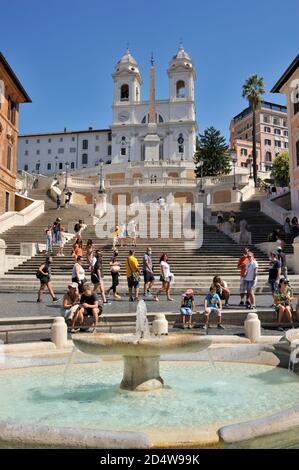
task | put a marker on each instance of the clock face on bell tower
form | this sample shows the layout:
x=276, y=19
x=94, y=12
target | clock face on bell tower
x=123, y=116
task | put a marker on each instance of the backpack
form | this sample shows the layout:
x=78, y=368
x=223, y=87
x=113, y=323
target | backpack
x=77, y=227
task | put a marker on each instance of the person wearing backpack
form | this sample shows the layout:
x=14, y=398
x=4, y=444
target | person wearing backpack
x=133, y=275
x=44, y=275
x=79, y=226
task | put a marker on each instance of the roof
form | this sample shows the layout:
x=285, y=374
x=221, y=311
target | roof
x=64, y=133
x=287, y=74
x=264, y=104
x=14, y=78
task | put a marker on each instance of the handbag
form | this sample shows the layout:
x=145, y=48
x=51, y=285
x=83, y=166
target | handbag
x=135, y=274
x=115, y=268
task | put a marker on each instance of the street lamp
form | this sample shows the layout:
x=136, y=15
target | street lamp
x=234, y=161
x=129, y=151
x=66, y=170
x=249, y=162
x=56, y=167
x=200, y=164
x=101, y=188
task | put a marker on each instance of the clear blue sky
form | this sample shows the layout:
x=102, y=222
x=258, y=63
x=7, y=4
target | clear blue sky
x=64, y=52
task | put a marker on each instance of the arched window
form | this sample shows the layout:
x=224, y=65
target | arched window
x=268, y=157
x=124, y=92
x=180, y=89
x=159, y=118
x=181, y=143
x=85, y=144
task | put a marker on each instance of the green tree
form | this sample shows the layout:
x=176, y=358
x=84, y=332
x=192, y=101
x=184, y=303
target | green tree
x=281, y=169
x=212, y=150
x=253, y=90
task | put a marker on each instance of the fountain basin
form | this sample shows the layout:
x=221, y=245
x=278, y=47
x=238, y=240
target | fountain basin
x=141, y=355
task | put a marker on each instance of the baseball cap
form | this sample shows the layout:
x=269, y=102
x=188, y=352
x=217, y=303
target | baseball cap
x=74, y=285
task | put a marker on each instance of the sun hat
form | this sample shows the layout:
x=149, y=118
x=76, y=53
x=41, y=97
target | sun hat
x=74, y=285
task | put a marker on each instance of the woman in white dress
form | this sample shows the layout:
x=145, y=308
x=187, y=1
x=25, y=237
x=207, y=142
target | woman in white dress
x=166, y=277
x=122, y=233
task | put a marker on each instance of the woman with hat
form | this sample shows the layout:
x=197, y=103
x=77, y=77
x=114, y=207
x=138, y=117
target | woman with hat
x=70, y=303
x=187, y=307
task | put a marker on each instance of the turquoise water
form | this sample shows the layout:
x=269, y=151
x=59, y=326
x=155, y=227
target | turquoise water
x=200, y=396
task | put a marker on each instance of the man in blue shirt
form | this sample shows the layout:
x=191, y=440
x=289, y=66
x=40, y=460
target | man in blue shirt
x=212, y=305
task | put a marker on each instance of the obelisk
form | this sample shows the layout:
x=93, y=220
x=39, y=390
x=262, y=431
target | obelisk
x=152, y=140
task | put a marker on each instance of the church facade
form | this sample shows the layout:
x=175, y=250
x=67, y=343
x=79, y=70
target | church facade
x=154, y=130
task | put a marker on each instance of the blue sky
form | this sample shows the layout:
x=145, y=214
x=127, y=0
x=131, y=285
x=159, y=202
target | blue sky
x=64, y=53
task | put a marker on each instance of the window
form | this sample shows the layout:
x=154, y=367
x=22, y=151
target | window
x=295, y=96
x=161, y=151
x=26, y=141
x=61, y=139
x=244, y=152
x=123, y=151
x=49, y=140
x=37, y=141
x=267, y=129
x=97, y=137
x=277, y=131
x=286, y=145
x=72, y=149
x=124, y=92
x=37, y=152
x=72, y=165
x=276, y=121
x=284, y=123
x=49, y=151
x=181, y=143
x=180, y=89
x=109, y=137
x=73, y=139
x=286, y=133
x=26, y=167
x=60, y=166
x=268, y=157
x=143, y=120
x=49, y=166
x=37, y=166
x=97, y=148
x=8, y=158
x=84, y=159
x=277, y=143
x=11, y=111
x=297, y=152
x=267, y=142
x=61, y=150
x=160, y=118
x=109, y=150
x=85, y=144
x=266, y=118
x=26, y=152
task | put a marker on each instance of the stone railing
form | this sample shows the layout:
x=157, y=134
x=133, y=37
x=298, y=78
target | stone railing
x=152, y=182
x=24, y=217
x=240, y=179
x=274, y=211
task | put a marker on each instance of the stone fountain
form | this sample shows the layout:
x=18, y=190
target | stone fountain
x=141, y=352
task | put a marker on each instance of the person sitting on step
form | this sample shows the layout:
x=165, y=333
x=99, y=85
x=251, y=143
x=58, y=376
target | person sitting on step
x=221, y=289
x=212, y=306
x=187, y=307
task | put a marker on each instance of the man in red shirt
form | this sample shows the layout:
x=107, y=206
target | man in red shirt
x=242, y=267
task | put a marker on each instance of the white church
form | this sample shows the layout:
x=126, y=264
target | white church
x=149, y=142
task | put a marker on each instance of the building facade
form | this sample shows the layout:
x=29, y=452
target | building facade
x=289, y=85
x=12, y=94
x=125, y=141
x=271, y=134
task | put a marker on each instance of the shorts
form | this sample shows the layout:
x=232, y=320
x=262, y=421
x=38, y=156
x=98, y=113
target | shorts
x=212, y=311
x=243, y=287
x=186, y=311
x=250, y=284
x=44, y=280
x=274, y=285
x=132, y=283
x=148, y=277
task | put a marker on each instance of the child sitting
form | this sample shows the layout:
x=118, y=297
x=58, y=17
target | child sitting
x=187, y=307
x=212, y=305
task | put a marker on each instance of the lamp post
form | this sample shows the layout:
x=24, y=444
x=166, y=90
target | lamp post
x=101, y=188
x=234, y=161
x=249, y=160
x=129, y=151
x=66, y=175
x=56, y=167
x=200, y=164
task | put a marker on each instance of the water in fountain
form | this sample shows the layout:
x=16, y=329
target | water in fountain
x=69, y=364
x=142, y=327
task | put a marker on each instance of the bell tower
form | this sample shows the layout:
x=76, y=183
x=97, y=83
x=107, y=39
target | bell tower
x=181, y=75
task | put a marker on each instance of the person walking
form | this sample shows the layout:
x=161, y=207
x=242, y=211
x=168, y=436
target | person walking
x=133, y=275
x=274, y=274
x=89, y=253
x=243, y=260
x=115, y=237
x=61, y=240
x=148, y=273
x=44, y=275
x=58, y=202
x=220, y=221
x=166, y=277
x=283, y=259
x=77, y=248
x=132, y=232
x=251, y=279
x=78, y=274
x=49, y=239
x=97, y=276
x=55, y=230
x=114, y=271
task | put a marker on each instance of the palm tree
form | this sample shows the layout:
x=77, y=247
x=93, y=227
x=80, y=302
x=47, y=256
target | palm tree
x=253, y=90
